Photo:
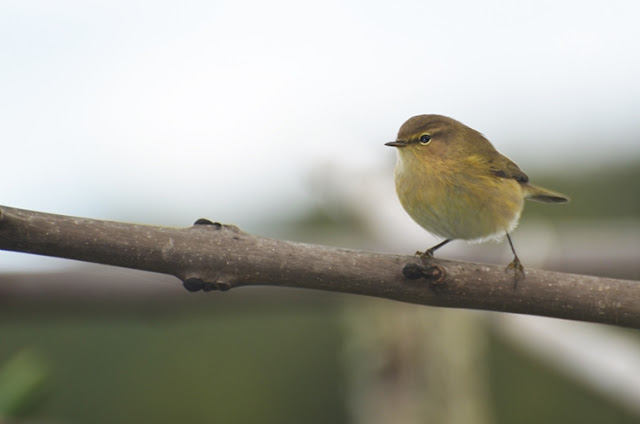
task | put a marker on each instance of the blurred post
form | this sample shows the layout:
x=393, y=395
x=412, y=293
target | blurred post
x=409, y=364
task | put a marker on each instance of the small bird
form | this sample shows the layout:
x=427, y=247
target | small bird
x=454, y=184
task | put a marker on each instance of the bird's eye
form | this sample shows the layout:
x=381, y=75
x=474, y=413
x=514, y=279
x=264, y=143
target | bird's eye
x=425, y=139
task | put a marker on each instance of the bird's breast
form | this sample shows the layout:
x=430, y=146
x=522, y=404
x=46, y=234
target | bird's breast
x=454, y=201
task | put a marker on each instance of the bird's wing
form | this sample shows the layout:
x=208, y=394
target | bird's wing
x=503, y=167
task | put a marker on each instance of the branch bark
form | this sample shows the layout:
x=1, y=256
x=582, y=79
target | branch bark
x=211, y=256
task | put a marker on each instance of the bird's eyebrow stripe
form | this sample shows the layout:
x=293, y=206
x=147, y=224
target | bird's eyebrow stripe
x=433, y=128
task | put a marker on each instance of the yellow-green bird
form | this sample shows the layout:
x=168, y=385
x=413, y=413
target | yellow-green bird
x=454, y=183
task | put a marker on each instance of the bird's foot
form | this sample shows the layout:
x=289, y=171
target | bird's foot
x=425, y=257
x=518, y=271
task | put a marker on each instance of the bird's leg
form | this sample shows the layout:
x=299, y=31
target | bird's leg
x=515, y=265
x=429, y=252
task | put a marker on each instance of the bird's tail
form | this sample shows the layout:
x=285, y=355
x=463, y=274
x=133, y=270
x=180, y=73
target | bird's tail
x=543, y=195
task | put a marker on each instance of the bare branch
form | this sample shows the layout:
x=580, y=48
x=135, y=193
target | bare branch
x=211, y=256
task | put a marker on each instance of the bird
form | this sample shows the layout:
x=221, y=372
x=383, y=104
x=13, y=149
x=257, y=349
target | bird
x=452, y=182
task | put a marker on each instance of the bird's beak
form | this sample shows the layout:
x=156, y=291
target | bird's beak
x=397, y=143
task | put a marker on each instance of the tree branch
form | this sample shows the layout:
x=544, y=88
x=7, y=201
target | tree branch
x=211, y=256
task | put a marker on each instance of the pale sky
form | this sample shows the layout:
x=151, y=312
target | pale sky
x=166, y=111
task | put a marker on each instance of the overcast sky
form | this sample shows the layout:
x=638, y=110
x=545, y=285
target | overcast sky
x=224, y=107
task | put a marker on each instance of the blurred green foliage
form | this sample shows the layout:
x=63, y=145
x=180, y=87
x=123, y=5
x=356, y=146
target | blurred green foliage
x=22, y=384
x=240, y=363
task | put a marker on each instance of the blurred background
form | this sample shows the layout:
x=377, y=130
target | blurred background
x=272, y=116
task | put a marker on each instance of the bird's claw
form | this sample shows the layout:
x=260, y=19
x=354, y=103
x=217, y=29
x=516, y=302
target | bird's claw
x=426, y=254
x=518, y=271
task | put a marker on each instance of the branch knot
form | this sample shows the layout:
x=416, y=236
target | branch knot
x=195, y=284
x=435, y=274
